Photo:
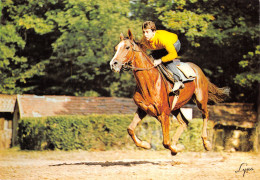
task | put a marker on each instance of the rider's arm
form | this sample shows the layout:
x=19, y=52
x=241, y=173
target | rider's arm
x=172, y=53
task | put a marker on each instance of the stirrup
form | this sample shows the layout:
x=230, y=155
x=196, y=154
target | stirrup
x=177, y=86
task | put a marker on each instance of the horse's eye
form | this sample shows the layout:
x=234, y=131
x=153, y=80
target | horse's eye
x=127, y=47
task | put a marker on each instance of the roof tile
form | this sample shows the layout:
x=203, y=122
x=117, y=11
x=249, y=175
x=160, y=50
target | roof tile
x=35, y=106
x=7, y=103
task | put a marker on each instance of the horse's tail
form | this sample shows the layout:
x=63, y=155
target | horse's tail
x=217, y=94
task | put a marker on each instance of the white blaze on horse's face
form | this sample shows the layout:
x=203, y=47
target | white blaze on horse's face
x=115, y=65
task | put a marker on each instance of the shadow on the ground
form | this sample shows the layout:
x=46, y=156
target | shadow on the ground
x=114, y=163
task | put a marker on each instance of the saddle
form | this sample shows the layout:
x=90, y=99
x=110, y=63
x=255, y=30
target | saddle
x=186, y=72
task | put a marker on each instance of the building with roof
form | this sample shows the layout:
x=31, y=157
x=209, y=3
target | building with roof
x=7, y=104
x=51, y=105
x=227, y=118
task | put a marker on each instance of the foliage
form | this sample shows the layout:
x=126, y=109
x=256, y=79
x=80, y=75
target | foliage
x=99, y=132
x=63, y=47
x=17, y=66
x=215, y=35
x=32, y=133
x=124, y=87
x=88, y=32
x=15, y=69
x=233, y=30
x=250, y=65
x=92, y=132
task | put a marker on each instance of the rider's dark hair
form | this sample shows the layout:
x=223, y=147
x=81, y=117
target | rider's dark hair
x=149, y=25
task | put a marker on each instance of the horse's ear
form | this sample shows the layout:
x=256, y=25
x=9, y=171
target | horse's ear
x=122, y=36
x=130, y=35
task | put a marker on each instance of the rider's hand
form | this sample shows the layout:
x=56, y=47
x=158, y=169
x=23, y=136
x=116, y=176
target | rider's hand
x=157, y=62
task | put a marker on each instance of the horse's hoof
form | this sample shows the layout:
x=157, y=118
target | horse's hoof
x=207, y=145
x=173, y=153
x=146, y=145
x=174, y=150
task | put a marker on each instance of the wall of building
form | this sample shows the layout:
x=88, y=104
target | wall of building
x=5, y=130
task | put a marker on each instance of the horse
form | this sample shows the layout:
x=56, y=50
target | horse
x=153, y=94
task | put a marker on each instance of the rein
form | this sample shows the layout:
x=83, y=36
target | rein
x=128, y=65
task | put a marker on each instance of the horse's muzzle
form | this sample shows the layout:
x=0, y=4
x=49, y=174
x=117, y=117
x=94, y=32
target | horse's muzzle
x=115, y=65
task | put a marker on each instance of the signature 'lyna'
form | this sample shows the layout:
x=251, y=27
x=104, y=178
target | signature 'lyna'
x=244, y=169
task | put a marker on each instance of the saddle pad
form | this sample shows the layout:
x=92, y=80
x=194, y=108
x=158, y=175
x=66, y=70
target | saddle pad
x=186, y=70
x=187, y=113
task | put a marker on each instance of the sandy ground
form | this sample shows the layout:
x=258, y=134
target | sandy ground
x=134, y=164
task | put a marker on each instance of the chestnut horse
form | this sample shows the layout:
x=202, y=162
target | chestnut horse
x=153, y=94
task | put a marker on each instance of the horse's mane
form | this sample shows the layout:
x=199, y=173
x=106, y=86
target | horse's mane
x=139, y=45
x=150, y=58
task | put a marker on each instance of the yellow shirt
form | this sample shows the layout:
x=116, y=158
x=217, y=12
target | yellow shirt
x=162, y=40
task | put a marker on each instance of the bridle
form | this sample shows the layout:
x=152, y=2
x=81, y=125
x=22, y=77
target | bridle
x=128, y=65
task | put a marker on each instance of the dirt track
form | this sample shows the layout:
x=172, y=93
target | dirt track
x=143, y=164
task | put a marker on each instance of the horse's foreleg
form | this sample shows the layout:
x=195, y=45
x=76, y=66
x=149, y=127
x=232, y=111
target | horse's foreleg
x=165, y=122
x=139, y=115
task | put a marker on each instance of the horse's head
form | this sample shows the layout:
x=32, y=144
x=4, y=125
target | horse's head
x=124, y=52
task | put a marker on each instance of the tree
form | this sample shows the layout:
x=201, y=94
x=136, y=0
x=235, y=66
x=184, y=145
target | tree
x=71, y=43
x=64, y=46
x=89, y=31
x=15, y=68
x=250, y=74
x=216, y=34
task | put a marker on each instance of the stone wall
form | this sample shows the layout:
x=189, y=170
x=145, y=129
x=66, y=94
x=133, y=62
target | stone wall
x=234, y=126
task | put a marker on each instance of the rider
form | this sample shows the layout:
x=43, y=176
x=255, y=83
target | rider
x=160, y=39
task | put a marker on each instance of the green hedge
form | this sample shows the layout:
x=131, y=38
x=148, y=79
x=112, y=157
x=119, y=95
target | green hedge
x=98, y=132
x=74, y=132
x=87, y=132
x=32, y=133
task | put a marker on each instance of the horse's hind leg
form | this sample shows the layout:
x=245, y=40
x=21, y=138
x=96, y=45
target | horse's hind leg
x=139, y=115
x=206, y=143
x=183, y=125
x=201, y=101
